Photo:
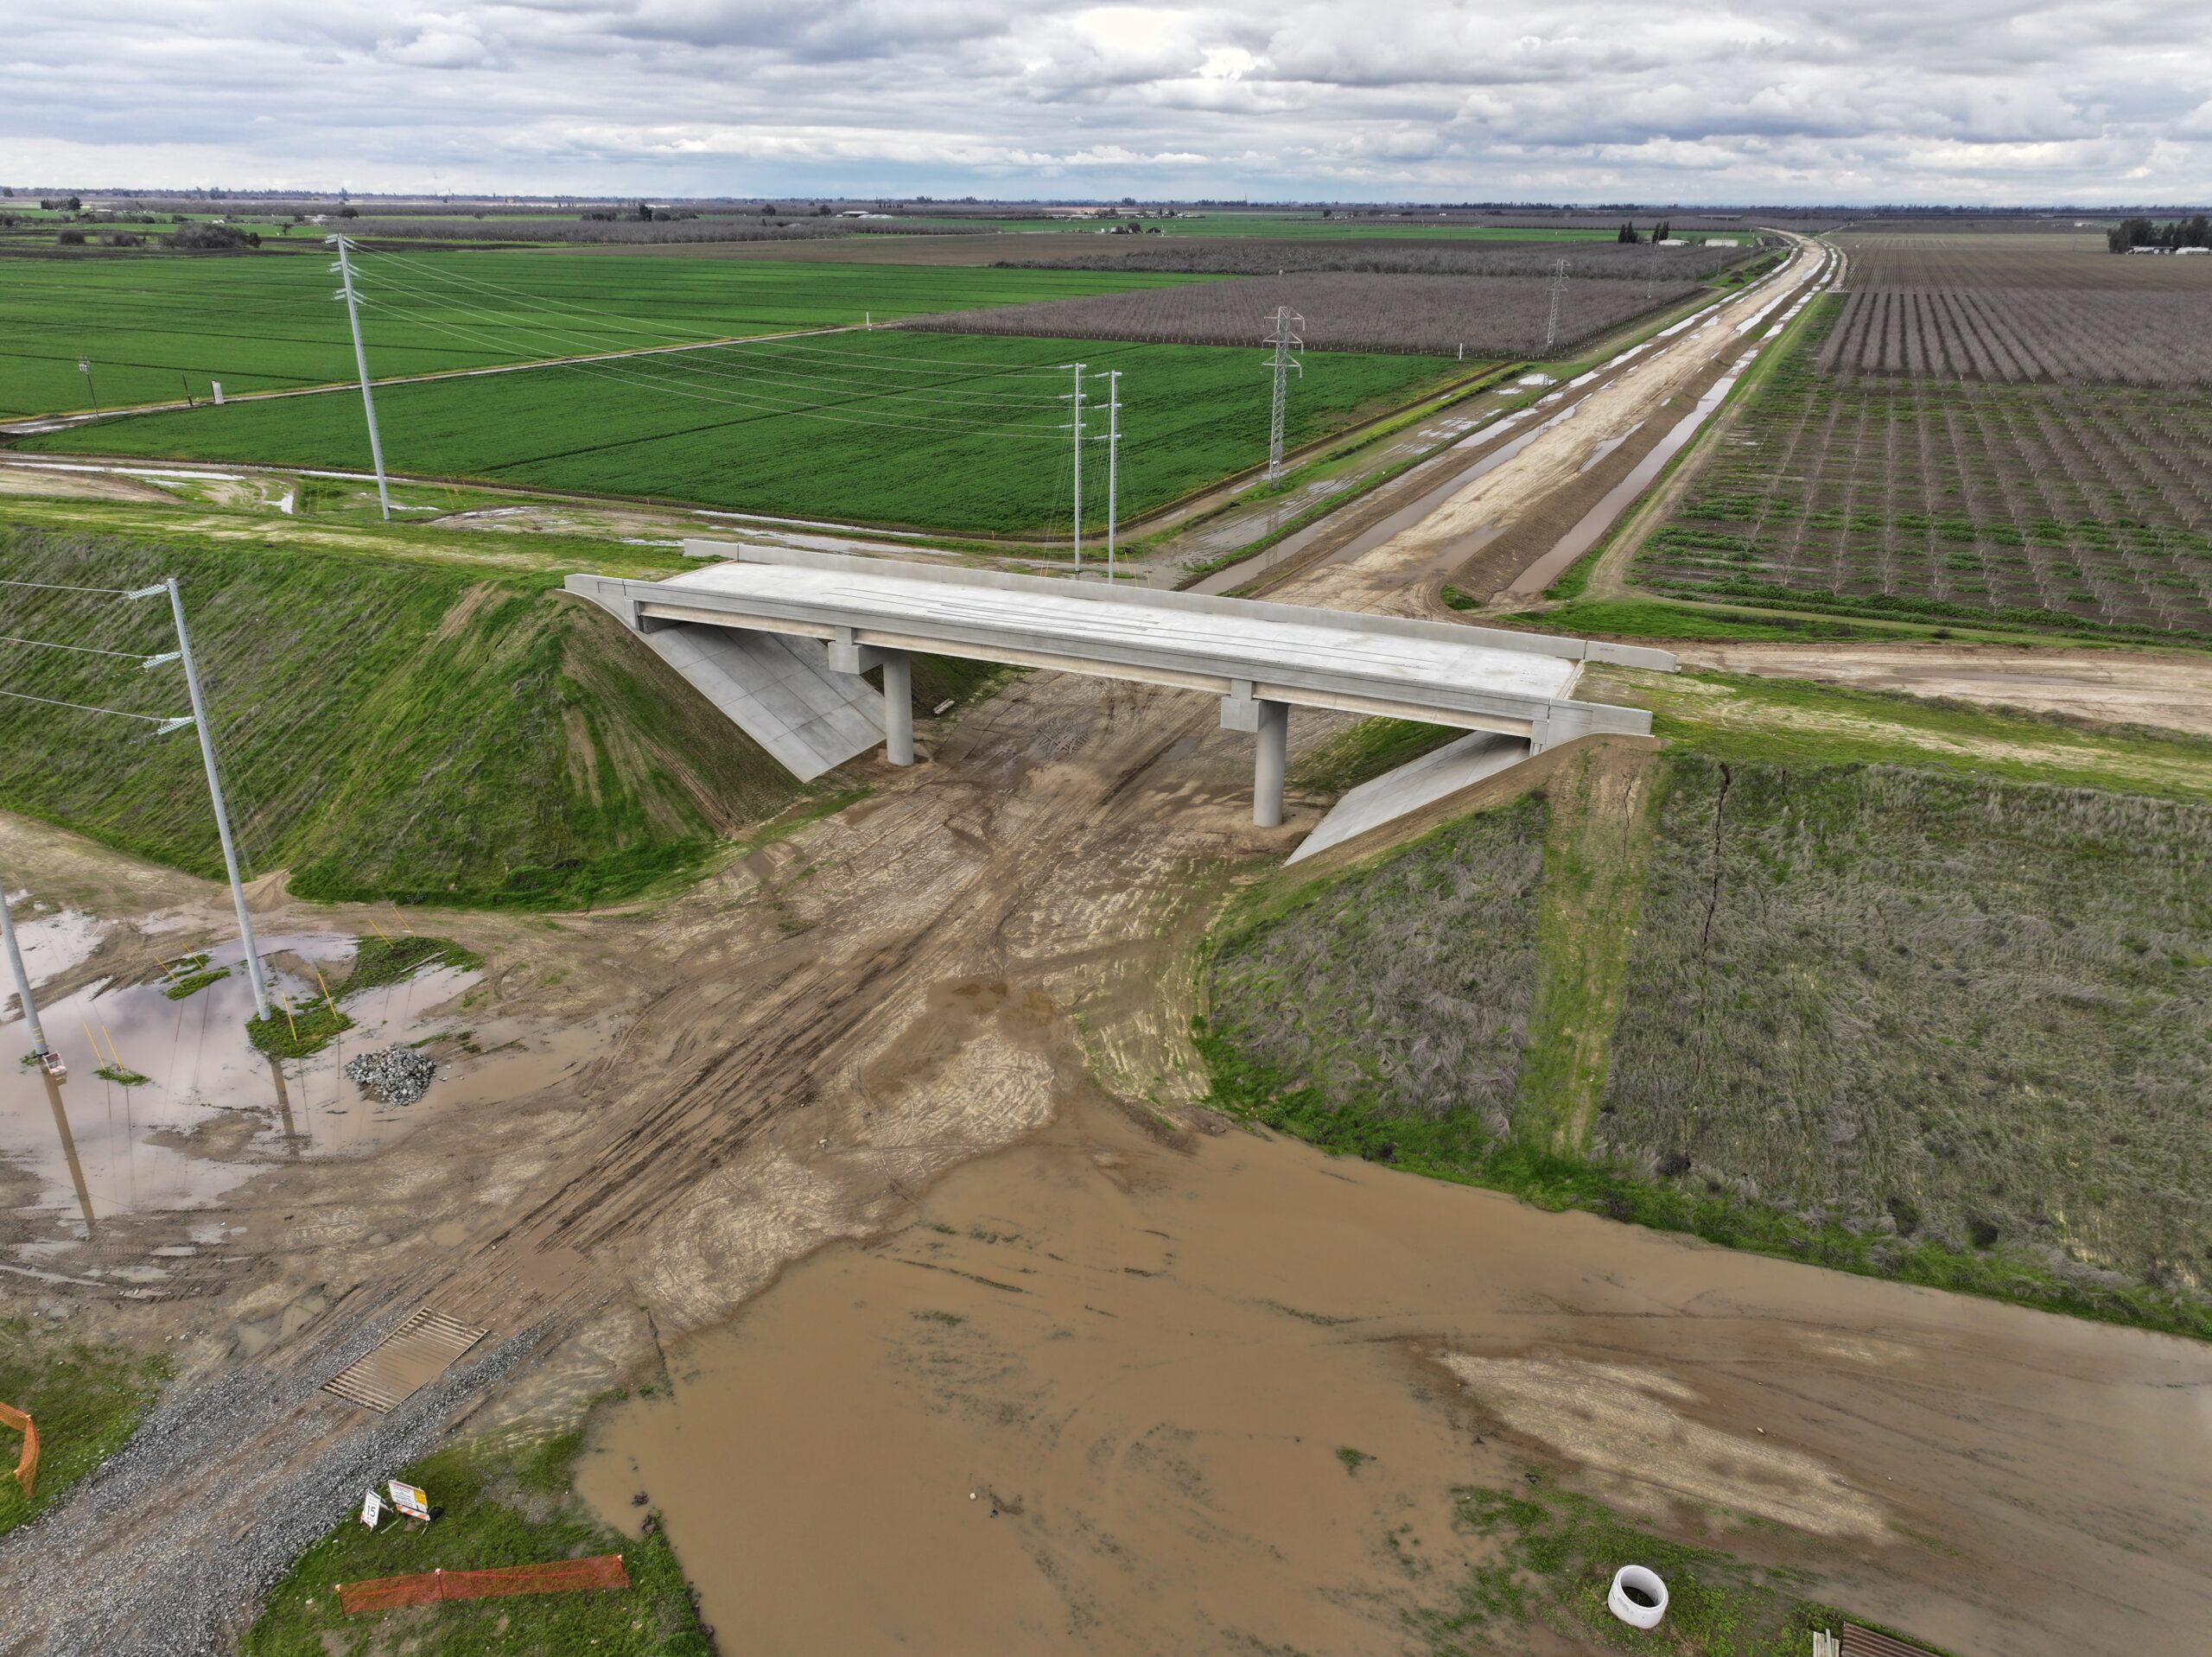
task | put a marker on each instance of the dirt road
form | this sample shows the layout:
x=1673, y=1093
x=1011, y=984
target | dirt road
x=805, y=1042
x=2172, y=693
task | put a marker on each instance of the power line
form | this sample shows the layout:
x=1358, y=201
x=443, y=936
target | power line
x=693, y=359
x=143, y=659
x=167, y=721
x=754, y=404
x=58, y=587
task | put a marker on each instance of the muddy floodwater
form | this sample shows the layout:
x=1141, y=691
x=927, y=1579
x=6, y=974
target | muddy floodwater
x=1107, y=1395
x=210, y=1109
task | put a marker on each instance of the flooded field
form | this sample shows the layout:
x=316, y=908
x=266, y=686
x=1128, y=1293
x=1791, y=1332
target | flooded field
x=210, y=1110
x=1104, y=1395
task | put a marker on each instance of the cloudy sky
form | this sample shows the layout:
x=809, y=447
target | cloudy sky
x=1687, y=100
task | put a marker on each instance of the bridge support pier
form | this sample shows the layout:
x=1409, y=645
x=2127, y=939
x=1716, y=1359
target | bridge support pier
x=846, y=656
x=1270, y=722
x=899, y=708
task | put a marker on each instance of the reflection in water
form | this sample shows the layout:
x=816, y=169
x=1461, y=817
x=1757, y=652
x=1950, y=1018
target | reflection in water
x=68, y=1148
x=212, y=1106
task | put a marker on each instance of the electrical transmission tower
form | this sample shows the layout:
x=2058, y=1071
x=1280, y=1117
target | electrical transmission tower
x=1284, y=337
x=1551, y=326
x=344, y=267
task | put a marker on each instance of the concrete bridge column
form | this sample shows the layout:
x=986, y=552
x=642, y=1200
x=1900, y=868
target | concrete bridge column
x=1269, y=721
x=899, y=708
x=848, y=656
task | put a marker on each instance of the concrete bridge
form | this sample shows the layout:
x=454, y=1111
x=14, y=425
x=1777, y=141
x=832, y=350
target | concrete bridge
x=779, y=639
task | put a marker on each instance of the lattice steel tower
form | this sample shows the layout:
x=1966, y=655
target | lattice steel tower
x=1284, y=337
x=1551, y=324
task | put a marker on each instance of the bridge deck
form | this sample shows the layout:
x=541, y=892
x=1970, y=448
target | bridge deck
x=1479, y=678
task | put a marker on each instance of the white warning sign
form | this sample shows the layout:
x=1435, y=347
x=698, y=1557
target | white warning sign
x=409, y=1500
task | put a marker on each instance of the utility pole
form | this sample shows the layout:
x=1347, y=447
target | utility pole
x=1078, y=428
x=1284, y=337
x=22, y=978
x=345, y=269
x=214, y=790
x=1551, y=326
x=1113, y=457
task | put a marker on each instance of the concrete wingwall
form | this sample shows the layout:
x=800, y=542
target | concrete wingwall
x=776, y=689
x=1491, y=789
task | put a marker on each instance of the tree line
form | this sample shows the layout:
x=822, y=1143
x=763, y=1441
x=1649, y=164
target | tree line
x=2131, y=233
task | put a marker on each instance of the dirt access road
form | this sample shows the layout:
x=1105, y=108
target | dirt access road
x=806, y=1041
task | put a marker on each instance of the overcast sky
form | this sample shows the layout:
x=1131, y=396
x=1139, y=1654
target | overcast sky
x=1936, y=101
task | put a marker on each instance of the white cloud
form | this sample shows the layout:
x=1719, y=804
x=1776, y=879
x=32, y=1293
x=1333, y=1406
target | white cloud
x=1429, y=99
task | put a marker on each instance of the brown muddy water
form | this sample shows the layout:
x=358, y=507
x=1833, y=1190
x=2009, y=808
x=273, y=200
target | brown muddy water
x=1103, y=1394
x=212, y=1109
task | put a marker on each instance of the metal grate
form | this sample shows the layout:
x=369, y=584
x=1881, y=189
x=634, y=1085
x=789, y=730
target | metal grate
x=411, y=1356
x=1867, y=1642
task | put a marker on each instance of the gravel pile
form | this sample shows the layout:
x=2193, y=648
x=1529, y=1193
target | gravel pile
x=398, y=1076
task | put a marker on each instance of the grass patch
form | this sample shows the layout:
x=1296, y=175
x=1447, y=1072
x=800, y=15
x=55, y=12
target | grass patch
x=122, y=1075
x=380, y=961
x=1795, y=721
x=498, y=1504
x=1558, y=1552
x=1402, y=990
x=309, y=1026
x=1363, y=752
x=178, y=989
x=86, y=1401
x=1656, y=618
x=1919, y=1006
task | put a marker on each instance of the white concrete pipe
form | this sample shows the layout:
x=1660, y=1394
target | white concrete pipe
x=1638, y=1597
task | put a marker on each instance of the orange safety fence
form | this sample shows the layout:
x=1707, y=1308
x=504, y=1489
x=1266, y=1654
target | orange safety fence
x=27, y=1463
x=427, y=1587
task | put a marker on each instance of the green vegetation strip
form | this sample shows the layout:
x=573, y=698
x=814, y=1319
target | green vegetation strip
x=497, y=1504
x=86, y=1401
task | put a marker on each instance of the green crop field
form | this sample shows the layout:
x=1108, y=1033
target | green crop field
x=156, y=327
x=939, y=431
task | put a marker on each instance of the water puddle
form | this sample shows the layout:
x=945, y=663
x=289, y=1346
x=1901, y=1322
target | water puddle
x=52, y=940
x=1106, y=1396
x=211, y=1108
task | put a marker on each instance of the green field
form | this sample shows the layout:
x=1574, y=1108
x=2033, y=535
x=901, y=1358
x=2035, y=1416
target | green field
x=938, y=431
x=156, y=327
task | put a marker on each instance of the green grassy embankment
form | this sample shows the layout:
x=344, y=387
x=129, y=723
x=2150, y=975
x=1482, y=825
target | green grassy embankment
x=85, y=1400
x=432, y=728
x=498, y=1503
x=1852, y=991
